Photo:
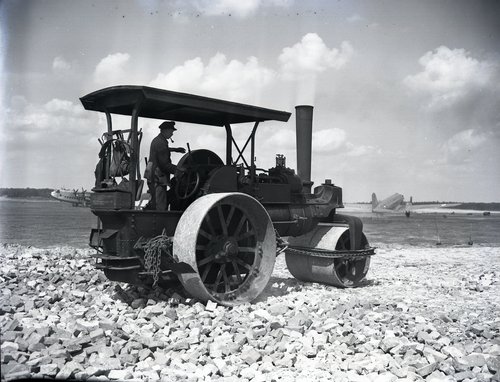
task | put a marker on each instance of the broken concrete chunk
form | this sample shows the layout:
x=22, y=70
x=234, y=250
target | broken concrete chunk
x=211, y=306
x=250, y=356
x=120, y=375
x=68, y=370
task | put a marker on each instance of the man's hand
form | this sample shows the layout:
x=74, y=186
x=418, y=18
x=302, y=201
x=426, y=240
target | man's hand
x=181, y=150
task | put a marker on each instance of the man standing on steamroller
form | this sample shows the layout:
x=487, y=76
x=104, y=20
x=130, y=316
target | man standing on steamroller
x=160, y=166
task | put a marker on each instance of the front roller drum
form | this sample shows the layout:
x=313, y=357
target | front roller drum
x=229, y=241
x=323, y=264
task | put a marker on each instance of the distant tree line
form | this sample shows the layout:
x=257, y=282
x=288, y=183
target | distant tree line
x=458, y=205
x=478, y=206
x=26, y=192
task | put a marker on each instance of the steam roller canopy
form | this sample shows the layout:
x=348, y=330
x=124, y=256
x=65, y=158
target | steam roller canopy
x=324, y=255
x=229, y=240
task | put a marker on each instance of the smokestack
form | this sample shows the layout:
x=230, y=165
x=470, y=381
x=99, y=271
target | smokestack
x=303, y=130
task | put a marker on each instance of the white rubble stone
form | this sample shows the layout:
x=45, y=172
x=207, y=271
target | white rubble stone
x=49, y=370
x=7, y=347
x=475, y=359
x=68, y=370
x=427, y=369
x=438, y=376
x=211, y=306
x=384, y=377
x=262, y=315
x=389, y=342
x=120, y=375
x=250, y=355
x=248, y=373
x=452, y=351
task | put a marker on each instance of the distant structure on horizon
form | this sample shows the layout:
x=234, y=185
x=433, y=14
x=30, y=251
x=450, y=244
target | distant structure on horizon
x=75, y=197
x=393, y=204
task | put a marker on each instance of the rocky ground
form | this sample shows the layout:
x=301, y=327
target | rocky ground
x=425, y=314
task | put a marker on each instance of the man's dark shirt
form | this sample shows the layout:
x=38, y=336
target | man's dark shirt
x=159, y=154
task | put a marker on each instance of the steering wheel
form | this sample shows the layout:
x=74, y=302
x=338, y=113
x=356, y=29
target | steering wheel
x=188, y=183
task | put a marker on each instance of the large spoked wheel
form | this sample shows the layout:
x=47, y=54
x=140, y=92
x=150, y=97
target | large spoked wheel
x=351, y=272
x=229, y=240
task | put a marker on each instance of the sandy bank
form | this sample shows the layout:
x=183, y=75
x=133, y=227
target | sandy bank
x=425, y=313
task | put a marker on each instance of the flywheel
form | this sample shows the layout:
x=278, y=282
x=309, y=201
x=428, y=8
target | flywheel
x=229, y=241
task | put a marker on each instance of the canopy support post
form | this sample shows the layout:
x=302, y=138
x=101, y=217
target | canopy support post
x=134, y=155
x=252, y=153
x=229, y=144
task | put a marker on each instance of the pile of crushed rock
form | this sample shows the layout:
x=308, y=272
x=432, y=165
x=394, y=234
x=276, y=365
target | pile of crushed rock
x=425, y=314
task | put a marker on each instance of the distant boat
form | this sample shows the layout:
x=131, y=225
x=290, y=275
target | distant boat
x=75, y=197
x=486, y=213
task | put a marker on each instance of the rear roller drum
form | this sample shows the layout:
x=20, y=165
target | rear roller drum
x=321, y=263
x=350, y=272
x=229, y=241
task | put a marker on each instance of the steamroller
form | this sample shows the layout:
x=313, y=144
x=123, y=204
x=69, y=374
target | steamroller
x=227, y=219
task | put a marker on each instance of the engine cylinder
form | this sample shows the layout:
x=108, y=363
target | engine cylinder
x=292, y=220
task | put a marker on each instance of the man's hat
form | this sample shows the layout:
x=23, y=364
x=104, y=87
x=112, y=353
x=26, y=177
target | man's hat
x=167, y=125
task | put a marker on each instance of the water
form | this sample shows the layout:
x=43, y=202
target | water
x=45, y=223
x=48, y=223
x=429, y=229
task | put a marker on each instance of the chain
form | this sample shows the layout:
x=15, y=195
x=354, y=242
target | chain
x=338, y=254
x=281, y=244
x=153, y=250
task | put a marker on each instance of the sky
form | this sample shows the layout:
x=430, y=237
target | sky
x=406, y=94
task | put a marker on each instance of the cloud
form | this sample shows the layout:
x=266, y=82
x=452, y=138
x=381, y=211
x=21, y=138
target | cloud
x=334, y=141
x=354, y=18
x=232, y=79
x=283, y=138
x=324, y=142
x=46, y=124
x=448, y=76
x=330, y=140
x=311, y=56
x=461, y=145
x=361, y=150
x=60, y=65
x=238, y=8
x=111, y=69
x=51, y=142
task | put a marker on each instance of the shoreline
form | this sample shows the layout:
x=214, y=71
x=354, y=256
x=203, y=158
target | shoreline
x=27, y=199
x=425, y=314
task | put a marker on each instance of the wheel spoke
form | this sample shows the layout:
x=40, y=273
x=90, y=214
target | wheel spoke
x=237, y=270
x=222, y=220
x=219, y=276
x=209, y=223
x=246, y=249
x=205, y=272
x=206, y=260
x=227, y=286
x=242, y=263
x=230, y=216
x=246, y=235
x=240, y=225
x=205, y=234
x=201, y=247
